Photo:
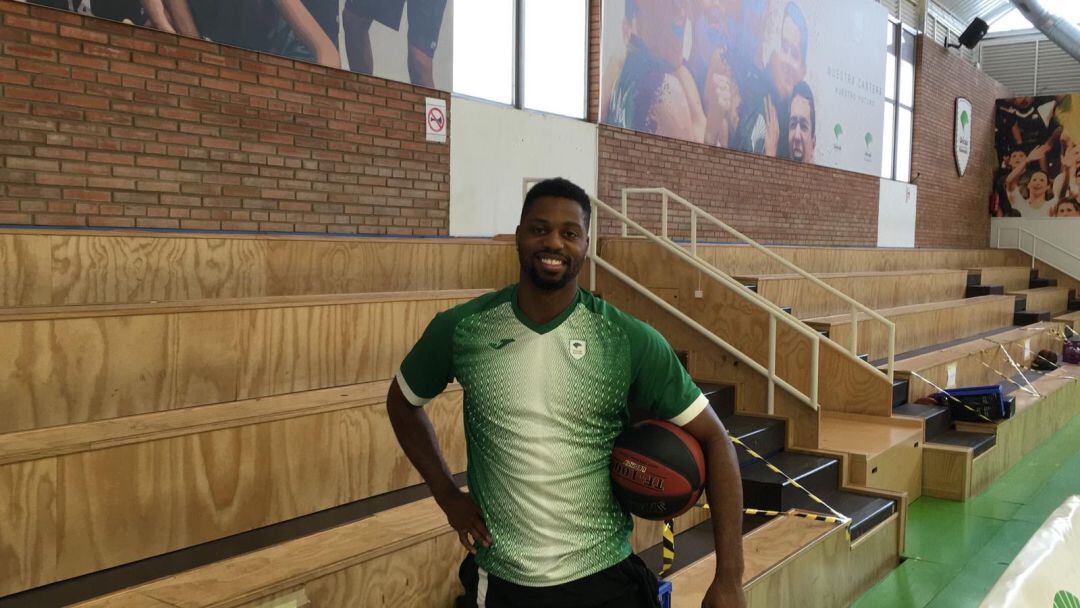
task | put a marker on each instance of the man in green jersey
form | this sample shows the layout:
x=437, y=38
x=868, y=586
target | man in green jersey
x=548, y=372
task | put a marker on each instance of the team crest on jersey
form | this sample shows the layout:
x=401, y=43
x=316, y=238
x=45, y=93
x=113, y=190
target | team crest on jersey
x=577, y=348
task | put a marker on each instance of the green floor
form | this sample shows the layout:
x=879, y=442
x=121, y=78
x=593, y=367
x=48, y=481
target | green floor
x=956, y=551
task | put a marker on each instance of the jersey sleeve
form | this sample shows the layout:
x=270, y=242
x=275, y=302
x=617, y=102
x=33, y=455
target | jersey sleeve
x=428, y=368
x=660, y=384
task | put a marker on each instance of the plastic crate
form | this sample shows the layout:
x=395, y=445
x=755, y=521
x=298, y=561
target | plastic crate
x=665, y=594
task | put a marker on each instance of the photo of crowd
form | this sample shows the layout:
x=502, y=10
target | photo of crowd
x=334, y=33
x=1037, y=140
x=729, y=73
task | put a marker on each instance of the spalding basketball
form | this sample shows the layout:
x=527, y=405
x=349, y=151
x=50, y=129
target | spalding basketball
x=657, y=470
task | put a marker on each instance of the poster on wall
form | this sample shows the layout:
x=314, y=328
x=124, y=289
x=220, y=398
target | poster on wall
x=404, y=40
x=1037, y=145
x=770, y=77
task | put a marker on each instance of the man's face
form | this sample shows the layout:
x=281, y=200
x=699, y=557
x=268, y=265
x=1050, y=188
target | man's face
x=787, y=66
x=661, y=24
x=552, y=241
x=1024, y=103
x=801, y=140
x=1068, y=209
x=1017, y=159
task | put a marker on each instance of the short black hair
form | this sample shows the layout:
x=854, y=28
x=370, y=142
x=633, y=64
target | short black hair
x=559, y=188
x=803, y=90
x=1068, y=201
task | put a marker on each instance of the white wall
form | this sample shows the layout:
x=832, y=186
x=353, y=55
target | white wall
x=1062, y=232
x=897, y=202
x=495, y=148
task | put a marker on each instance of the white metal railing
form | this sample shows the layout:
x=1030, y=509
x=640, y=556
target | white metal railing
x=775, y=313
x=696, y=212
x=1035, y=240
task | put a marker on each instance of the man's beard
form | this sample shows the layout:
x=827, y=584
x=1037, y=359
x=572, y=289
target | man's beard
x=572, y=269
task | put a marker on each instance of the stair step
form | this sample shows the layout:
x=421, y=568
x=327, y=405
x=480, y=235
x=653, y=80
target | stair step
x=974, y=277
x=937, y=418
x=974, y=291
x=1037, y=283
x=1033, y=274
x=751, y=287
x=978, y=442
x=764, y=489
x=1029, y=317
x=865, y=357
x=763, y=435
x=865, y=511
x=786, y=309
x=899, y=391
x=720, y=396
x=1074, y=305
x=1021, y=304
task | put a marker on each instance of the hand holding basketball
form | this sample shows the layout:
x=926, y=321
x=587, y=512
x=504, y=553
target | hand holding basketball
x=466, y=518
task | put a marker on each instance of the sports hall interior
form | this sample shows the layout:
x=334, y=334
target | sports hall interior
x=213, y=260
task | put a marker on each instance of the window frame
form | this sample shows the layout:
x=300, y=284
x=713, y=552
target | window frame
x=899, y=29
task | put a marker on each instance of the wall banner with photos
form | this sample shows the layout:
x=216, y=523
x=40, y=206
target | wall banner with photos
x=771, y=77
x=1037, y=141
x=403, y=40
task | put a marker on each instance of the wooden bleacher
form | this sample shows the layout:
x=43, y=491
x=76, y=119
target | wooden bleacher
x=1071, y=319
x=922, y=325
x=1045, y=299
x=224, y=384
x=1011, y=278
x=883, y=289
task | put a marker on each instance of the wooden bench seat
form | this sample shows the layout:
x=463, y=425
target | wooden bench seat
x=1012, y=278
x=1045, y=299
x=885, y=452
x=792, y=561
x=962, y=364
x=921, y=325
x=41, y=267
x=77, y=364
x=954, y=472
x=129, y=488
x=1071, y=319
x=881, y=289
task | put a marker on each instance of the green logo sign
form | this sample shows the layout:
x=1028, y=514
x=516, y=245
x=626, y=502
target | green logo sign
x=1064, y=599
x=965, y=120
x=869, y=139
x=838, y=131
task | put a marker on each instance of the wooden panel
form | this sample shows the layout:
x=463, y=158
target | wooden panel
x=822, y=570
x=876, y=290
x=1063, y=280
x=46, y=268
x=844, y=385
x=886, y=452
x=24, y=267
x=68, y=369
x=180, y=491
x=285, y=568
x=649, y=533
x=74, y=370
x=1013, y=278
x=28, y=512
x=1046, y=299
x=947, y=471
x=922, y=325
x=966, y=361
x=708, y=362
x=1072, y=319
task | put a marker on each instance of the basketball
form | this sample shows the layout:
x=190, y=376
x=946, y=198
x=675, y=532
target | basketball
x=657, y=470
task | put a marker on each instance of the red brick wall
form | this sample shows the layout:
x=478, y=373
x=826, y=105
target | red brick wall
x=770, y=200
x=952, y=210
x=104, y=124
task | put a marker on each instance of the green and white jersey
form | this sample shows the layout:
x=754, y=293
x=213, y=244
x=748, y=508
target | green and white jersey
x=543, y=406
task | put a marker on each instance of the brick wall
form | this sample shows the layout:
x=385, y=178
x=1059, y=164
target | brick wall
x=104, y=124
x=770, y=200
x=952, y=209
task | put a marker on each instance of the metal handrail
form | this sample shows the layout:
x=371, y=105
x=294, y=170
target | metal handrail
x=1020, y=231
x=856, y=306
x=774, y=312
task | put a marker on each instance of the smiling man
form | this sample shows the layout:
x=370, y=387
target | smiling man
x=548, y=373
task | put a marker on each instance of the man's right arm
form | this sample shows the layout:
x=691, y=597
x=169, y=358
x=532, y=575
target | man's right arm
x=414, y=432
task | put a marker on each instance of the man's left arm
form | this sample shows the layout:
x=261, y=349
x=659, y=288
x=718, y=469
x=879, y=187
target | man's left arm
x=724, y=487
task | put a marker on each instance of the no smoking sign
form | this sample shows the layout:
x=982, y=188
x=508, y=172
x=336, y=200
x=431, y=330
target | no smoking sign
x=436, y=119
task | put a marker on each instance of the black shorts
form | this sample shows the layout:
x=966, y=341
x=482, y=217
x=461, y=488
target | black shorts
x=627, y=584
x=425, y=18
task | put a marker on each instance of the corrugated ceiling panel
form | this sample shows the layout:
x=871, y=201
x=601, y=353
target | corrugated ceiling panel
x=1013, y=65
x=1058, y=72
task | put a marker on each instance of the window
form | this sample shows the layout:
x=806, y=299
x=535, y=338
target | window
x=899, y=102
x=543, y=68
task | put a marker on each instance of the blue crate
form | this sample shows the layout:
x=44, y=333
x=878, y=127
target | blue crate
x=665, y=594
